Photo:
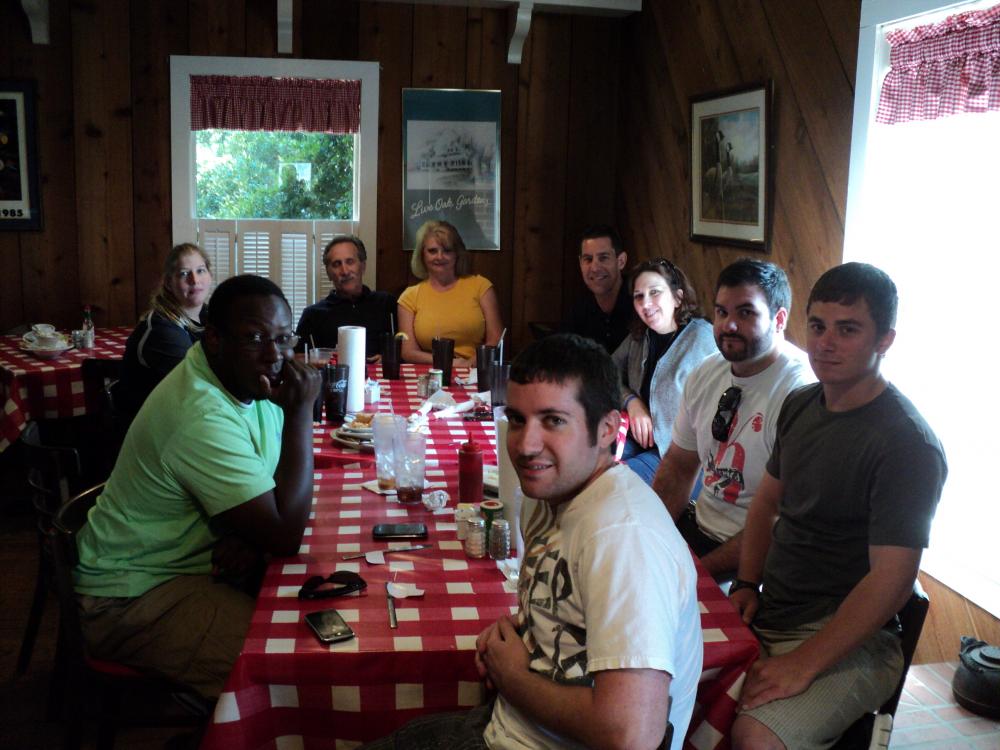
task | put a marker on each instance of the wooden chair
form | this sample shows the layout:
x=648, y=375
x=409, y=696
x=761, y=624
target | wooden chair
x=80, y=675
x=53, y=474
x=99, y=378
x=872, y=731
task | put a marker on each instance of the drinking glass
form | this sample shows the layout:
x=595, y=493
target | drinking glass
x=408, y=449
x=392, y=354
x=443, y=352
x=486, y=355
x=385, y=427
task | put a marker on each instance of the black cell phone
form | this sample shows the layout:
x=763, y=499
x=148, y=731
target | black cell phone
x=399, y=531
x=329, y=626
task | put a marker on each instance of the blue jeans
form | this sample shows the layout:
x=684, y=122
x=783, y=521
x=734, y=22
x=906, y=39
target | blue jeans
x=642, y=462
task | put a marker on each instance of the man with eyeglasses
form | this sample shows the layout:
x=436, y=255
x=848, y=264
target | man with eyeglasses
x=725, y=426
x=836, y=528
x=350, y=302
x=216, y=471
x=605, y=312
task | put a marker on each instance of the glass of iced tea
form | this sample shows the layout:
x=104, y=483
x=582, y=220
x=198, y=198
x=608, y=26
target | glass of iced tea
x=385, y=427
x=408, y=460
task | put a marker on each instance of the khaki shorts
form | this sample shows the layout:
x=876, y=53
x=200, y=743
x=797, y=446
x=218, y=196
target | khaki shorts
x=189, y=630
x=858, y=684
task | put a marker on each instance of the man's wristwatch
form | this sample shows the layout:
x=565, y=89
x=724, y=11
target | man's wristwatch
x=739, y=583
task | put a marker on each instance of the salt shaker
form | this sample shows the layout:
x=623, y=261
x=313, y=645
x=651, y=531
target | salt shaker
x=475, y=537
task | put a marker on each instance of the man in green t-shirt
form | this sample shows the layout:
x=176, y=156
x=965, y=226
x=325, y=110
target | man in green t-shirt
x=215, y=471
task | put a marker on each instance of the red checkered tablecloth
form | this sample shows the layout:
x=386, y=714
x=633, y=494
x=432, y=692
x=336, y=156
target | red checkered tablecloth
x=32, y=388
x=288, y=690
x=400, y=397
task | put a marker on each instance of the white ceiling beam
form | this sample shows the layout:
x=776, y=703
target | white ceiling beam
x=37, y=12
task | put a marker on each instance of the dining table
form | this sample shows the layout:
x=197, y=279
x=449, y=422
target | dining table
x=33, y=388
x=288, y=690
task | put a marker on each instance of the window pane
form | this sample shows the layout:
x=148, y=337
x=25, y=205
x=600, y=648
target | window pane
x=274, y=175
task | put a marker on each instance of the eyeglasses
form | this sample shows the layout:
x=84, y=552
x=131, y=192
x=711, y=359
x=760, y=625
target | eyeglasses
x=722, y=422
x=336, y=584
x=258, y=340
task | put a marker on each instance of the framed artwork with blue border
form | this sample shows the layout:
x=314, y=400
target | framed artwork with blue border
x=451, y=163
x=20, y=207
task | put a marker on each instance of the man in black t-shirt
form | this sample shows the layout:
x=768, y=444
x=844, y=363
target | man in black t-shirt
x=350, y=303
x=604, y=314
x=836, y=528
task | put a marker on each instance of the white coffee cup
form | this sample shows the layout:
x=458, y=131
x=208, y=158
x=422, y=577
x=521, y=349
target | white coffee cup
x=43, y=330
x=43, y=336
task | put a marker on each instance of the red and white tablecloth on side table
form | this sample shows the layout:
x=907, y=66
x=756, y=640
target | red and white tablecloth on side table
x=32, y=388
x=288, y=690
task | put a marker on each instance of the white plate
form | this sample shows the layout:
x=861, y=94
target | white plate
x=349, y=441
x=46, y=352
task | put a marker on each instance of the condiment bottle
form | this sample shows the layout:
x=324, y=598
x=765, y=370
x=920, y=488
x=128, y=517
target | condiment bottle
x=470, y=472
x=499, y=539
x=475, y=537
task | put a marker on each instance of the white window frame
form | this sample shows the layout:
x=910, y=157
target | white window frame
x=182, y=147
x=873, y=62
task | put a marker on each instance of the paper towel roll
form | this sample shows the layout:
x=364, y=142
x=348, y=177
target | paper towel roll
x=351, y=352
x=509, y=487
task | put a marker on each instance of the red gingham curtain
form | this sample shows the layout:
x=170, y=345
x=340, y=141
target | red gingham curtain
x=943, y=69
x=261, y=103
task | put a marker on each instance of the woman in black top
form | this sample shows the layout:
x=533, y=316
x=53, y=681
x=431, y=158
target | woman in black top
x=168, y=329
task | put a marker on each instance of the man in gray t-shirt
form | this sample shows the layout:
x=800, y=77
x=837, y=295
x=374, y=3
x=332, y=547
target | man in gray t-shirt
x=836, y=529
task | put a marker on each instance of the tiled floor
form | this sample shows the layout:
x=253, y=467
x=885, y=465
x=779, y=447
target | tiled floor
x=929, y=719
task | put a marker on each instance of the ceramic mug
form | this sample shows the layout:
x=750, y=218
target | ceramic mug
x=43, y=336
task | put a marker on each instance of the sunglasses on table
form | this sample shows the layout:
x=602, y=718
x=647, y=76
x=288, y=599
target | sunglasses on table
x=722, y=422
x=339, y=583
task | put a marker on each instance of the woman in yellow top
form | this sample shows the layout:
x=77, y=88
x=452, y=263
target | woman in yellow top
x=449, y=303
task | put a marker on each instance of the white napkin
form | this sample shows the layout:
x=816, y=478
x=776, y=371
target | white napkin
x=403, y=590
x=351, y=352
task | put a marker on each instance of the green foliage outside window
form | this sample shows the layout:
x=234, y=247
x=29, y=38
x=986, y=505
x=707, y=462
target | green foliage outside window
x=250, y=175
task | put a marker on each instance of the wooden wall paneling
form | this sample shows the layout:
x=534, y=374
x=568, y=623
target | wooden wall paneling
x=217, y=27
x=261, y=28
x=949, y=618
x=539, y=234
x=487, y=68
x=439, y=47
x=159, y=29
x=824, y=95
x=843, y=19
x=808, y=232
x=49, y=259
x=330, y=29
x=386, y=36
x=592, y=135
x=103, y=140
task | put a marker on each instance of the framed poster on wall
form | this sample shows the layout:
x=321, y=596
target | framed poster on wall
x=451, y=163
x=731, y=168
x=20, y=208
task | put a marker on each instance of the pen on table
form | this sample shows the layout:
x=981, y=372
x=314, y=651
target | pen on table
x=386, y=551
x=391, y=604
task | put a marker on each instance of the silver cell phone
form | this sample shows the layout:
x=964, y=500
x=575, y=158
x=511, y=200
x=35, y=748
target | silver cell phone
x=399, y=531
x=329, y=626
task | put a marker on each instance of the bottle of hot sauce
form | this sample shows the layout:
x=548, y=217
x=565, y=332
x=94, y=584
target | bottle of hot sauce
x=470, y=472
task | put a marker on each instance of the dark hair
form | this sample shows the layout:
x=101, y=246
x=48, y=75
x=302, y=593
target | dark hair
x=601, y=230
x=847, y=283
x=770, y=278
x=237, y=287
x=677, y=280
x=566, y=356
x=356, y=241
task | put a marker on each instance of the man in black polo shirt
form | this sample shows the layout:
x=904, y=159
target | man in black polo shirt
x=605, y=313
x=350, y=303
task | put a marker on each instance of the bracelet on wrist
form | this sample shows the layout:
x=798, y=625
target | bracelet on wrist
x=739, y=583
x=628, y=399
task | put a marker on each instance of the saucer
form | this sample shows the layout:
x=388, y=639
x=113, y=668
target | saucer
x=46, y=352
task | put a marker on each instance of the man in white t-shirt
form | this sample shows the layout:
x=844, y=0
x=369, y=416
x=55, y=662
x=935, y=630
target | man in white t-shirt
x=725, y=427
x=606, y=644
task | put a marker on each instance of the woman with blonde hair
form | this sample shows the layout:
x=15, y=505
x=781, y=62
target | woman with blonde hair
x=449, y=302
x=170, y=326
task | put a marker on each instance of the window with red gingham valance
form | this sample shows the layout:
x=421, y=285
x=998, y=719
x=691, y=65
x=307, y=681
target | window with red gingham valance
x=943, y=69
x=262, y=103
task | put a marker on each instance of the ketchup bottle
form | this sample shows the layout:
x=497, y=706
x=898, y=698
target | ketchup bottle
x=470, y=472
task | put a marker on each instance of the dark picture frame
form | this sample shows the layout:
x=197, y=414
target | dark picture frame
x=20, y=206
x=731, y=172
x=451, y=163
